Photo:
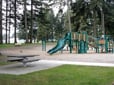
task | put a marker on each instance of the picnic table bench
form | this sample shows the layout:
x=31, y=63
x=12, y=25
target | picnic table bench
x=22, y=58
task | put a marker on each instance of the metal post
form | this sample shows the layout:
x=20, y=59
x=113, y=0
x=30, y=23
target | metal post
x=43, y=45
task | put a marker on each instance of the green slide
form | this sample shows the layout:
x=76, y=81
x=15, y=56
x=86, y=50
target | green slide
x=60, y=44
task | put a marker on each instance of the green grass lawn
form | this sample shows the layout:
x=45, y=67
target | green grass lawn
x=6, y=45
x=63, y=75
x=2, y=46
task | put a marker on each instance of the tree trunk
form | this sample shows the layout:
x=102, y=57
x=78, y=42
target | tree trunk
x=1, y=38
x=68, y=12
x=102, y=23
x=31, y=29
x=6, y=21
x=15, y=25
x=94, y=24
x=9, y=20
x=25, y=9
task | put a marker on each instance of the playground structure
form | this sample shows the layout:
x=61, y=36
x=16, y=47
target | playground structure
x=106, y=45
x=61, y=43
x=80, y=42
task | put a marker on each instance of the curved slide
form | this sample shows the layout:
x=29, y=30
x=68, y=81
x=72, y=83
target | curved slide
x=60, y=44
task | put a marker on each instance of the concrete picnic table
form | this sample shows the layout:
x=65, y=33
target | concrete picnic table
x=22, y=58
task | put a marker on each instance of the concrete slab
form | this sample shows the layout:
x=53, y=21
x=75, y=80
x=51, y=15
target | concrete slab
x=18, y=69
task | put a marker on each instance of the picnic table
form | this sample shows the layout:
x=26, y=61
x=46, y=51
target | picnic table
x=22, y=58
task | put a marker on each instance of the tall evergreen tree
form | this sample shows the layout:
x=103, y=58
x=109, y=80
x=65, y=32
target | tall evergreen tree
x=6, y=22
x=25, y=20
x=93, y=10
x=1, y=22
x=9, y=28
x=15, y=21
x=31, y=28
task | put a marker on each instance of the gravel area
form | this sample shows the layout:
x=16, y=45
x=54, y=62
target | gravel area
x=64, y=56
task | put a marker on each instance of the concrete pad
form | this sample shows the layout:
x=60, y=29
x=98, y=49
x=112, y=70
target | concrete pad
x=19, y=69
